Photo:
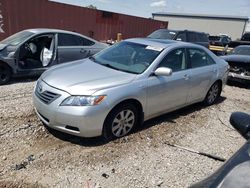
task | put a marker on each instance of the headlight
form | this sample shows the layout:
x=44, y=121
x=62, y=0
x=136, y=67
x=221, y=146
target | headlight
x=11, y=54
x=83, y=100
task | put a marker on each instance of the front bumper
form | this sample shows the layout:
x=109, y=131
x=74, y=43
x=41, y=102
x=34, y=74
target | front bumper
x=238, y=77
x=83, y=121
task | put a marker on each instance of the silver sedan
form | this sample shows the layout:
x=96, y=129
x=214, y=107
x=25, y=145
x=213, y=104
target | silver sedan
x=117, y=89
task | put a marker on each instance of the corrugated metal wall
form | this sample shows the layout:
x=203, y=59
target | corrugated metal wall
x=16, y=15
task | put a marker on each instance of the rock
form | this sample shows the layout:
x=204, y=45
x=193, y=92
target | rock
x=4, y=158
x=159, y=183
x=31, y=158
x=21, y=166
x=105, y=175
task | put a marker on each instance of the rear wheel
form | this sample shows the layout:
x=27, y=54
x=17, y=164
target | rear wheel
x=213, y=94
x=120, y=121
x=5, y=74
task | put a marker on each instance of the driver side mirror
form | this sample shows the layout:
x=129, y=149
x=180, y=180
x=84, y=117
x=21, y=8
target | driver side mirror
x=163, y=71
x=241, y=122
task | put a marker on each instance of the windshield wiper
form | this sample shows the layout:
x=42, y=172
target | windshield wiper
x=113, y=67
x=110, y=66
x=92, y=58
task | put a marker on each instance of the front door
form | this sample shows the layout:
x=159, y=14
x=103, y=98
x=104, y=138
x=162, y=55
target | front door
x=165, y=93
x=37, y=53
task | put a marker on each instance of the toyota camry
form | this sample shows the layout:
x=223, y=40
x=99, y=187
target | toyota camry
x=115, y=90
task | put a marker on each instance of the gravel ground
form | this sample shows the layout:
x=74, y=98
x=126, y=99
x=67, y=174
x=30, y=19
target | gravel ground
x=32, y=156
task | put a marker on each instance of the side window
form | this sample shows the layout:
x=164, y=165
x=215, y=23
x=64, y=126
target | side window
x=73, y=40
x=181, y=37
x=86, y=42
x=199, y=58
x=69, y=40
x=192, y=37
x=176, y=60
x=204, y=37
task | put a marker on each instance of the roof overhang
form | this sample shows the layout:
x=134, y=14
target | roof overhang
x=204, y=16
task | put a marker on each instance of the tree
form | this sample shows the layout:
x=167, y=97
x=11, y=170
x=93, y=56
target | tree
x=91, y=6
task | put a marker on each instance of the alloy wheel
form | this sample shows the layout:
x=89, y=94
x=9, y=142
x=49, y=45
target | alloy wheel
x=123, y=123
x=213, y=93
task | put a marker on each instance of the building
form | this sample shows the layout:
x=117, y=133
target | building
x=16, y=15
x=234, y=26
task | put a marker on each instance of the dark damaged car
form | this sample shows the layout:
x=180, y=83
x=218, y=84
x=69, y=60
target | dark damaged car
x=239, y=62
x=234, y=173
x=31, y=52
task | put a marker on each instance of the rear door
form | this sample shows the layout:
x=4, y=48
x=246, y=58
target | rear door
x=203, y=73
x=73, y=47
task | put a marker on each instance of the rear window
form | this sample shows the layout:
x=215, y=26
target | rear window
x=192, y=37
x=202, y=37
x=197, y=37
x=241, y=50
x=162, y=34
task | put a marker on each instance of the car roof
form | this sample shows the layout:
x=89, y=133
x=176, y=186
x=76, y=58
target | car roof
x=174, y=30
x=243, y=46
x=162, y=43
x=48, y=30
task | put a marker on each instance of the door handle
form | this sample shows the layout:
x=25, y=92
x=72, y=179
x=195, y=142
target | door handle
x=186, y=76
x=214, y=70
x=83, y=51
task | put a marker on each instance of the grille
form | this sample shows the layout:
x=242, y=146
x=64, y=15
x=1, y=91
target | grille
x=46, y=96
x=238, y=67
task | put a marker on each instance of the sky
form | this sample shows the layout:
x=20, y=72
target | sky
x=145, y=8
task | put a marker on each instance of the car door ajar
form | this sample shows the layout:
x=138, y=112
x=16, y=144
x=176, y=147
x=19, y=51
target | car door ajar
x=203, y=73
x=72, y=47
x=165, y=93
x=37, y=54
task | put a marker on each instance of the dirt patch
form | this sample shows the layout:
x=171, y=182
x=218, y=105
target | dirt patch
x=141, y=159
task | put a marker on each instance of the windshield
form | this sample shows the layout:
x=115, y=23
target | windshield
x=242, y=50
x=128, y=57
x=162, y=34
x=17, y=38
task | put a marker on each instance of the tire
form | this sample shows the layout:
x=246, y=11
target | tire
x=120, y=121
x=213, y=94
x=5, y=74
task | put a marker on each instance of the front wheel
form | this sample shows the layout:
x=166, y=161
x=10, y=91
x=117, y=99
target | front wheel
x=5, y=74
x=120, y=121
x=213, y=94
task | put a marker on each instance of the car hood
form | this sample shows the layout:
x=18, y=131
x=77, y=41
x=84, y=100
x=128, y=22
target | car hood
x=85, y=77
x=2, y=46
x=237, y=58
